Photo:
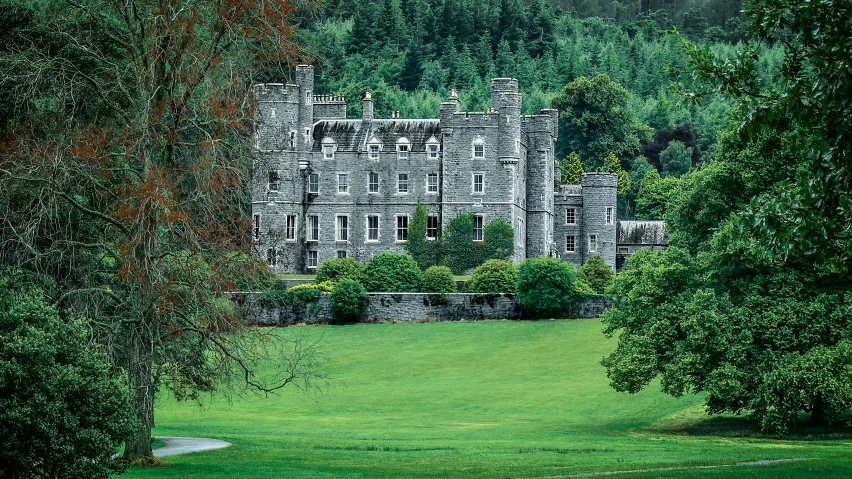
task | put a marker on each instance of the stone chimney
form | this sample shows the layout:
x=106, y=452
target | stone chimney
x=368, y=107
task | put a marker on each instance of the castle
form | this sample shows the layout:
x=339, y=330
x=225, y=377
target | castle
x=325, y=186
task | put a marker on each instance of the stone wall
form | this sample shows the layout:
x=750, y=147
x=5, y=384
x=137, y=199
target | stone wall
x=385, y=307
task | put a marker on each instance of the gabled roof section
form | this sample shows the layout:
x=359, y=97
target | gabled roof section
x=353, y=135
x=651, y=233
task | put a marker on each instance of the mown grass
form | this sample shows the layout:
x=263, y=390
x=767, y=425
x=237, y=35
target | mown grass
x=492, y=399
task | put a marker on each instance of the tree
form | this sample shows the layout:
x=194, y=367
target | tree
x=498, y=241
x=612, y=164
x=129, y=189
x=458, y=251
x=596, y=273
x=545, y=286
x=424, y=251
x=63, y=411
x=676, y=159
x=654, y=196
x=572, y=169
x=595, y=120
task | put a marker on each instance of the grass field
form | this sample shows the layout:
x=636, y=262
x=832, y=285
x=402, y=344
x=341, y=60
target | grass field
x=492, y=399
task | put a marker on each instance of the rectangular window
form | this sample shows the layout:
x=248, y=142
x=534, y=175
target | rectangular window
x=272, y=256
x=478, y=183
x=477, y=228
x=374, y=151
x=373, y=183
x=623, y=251
x=274, y=181
x=290, y=229
x=432, y=183
x=402, y=228
x=433, y=151
x=313, y=183
x=328, y=152
x=609, y=216
x=312, y=259
x=292, y=139
x=593, y=243
x=372, y=228
x=343, y=183
x=479, y=151
x=402, y=151
x=313, y=228
x=341, y=253
x=402, y=183
x=342, y=229
x=571, y=216
x=570, y=247
x=432, y=227
x=256, y=229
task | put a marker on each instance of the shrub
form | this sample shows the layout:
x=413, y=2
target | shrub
x=325, y=286
x=581, y=287
x=392, y=272
x=459, y=252
x=305, y=293
x=493, y=276
x=439, y=279
x=347, y=301
x=424, y=251
x=545, y=286
x=338, y=269
x=596, y=274
x=499, y=241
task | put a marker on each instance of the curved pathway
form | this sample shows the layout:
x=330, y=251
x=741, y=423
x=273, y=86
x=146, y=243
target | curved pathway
x=183, y=445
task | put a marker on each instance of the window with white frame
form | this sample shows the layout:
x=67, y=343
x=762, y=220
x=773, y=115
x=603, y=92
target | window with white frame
x=478, y=229
x=256, y=229
x=373, y=183
x=343, y=183
x=570, y=216
x=313, y=183
x=402, y=183
x=274, y=181
x=328, y=151
x=402, y=228
x=373, y=228
x=478, y=183
x=478, y=149
x=432, y=227
x=312, y=259
x=593, y=243
x=290, y=228
x=623, y=251
x=342, y=228
x=570, y=246
x=432, y=151
x=341, y=253
x=313, y=228
x=609, y=216
x=402, y=148
x=432, y=183
x=272, y=256
x=517, y=146
x=373, y=151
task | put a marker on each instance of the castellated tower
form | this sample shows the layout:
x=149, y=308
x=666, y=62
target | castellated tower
x=599, y=216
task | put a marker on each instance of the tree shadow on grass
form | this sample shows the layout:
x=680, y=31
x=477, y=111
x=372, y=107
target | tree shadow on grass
x=746, y=426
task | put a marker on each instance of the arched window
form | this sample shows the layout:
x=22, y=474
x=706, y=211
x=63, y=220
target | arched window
x=403, y=147
x=478, y=150
x=329, y=146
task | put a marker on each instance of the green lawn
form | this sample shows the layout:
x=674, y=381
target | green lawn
x=491, y=399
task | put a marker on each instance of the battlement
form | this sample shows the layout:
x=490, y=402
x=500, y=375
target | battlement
x=509, y=85
x=276, y=92
x=599, y=179
x=329, y=99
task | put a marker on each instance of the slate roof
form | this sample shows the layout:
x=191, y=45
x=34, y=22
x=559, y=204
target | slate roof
x=642, y=233
x=352, y=135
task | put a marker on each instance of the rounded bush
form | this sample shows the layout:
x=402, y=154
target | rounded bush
x=337, y=269
x=347, y=301
x=493, y=276
x=439, y=279
x=545, y=286
x=325, y=286
x=392, y=272
x=596, y=273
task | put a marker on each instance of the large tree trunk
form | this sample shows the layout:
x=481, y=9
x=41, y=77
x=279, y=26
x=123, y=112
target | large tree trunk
x=140, y=349
x=818, y=412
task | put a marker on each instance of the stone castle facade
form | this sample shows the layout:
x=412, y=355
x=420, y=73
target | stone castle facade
x=325, y=186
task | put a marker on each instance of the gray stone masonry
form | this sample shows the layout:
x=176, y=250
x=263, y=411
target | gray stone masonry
x=325, y=186
x=385, y=307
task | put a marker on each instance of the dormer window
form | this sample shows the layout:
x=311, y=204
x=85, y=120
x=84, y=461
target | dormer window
x=432, y=148
x=478, y=149
x=374, y=151
x=328, y=148
x=402, y=148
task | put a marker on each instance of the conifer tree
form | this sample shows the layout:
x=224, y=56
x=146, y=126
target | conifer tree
x=613, y=165
x=572, y=169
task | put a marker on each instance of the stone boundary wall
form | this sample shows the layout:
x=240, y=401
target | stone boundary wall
x=409, y=307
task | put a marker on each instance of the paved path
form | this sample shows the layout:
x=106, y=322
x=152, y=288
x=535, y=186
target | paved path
x=183, y=445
